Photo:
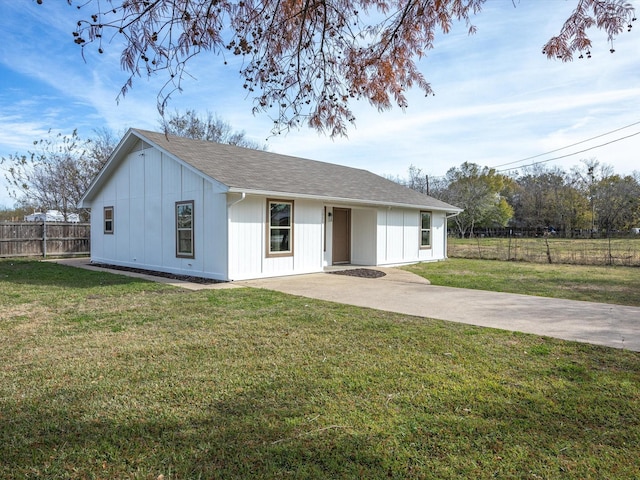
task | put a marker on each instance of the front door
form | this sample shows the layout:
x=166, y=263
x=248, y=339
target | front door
x=341, y=235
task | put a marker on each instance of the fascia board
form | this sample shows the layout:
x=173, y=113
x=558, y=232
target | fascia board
x=342, y=200
x=121, y=150
x=102, y=175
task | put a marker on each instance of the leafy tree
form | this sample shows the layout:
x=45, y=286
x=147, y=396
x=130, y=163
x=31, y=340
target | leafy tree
x=480, y=191
x=586, y=177
x=547, y=198
x=211, y=128
x=617, y=202
x=308, y=60
x=57, y=172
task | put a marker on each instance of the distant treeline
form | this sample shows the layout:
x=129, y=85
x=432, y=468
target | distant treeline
x=590, y=200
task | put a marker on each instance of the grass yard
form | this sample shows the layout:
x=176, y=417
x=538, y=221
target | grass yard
x=617, y=285
x=104, y=376
x=556, y=250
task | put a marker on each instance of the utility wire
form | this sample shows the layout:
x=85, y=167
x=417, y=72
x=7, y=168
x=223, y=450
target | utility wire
x=568, y=154
x=569, y=146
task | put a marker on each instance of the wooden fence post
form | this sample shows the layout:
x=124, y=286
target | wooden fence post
x=44, y=239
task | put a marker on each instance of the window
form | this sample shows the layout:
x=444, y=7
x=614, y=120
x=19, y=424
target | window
x=108, y=220
x=184, y=229
x=425, y=229
x=280, y=234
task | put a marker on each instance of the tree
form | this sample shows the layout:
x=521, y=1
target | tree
x=210, y=128
x=15, y=214
x=617, y=202
x=480, y=191
x=419, y=181
x=57, y=172
x=586, y=177
x=307, y=60
x=548, y=198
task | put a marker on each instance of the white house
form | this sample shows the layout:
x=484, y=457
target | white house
x=199, y=208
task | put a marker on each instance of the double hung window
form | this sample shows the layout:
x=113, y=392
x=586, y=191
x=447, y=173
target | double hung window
x=108, y=220
x=184, y=229
x=425, y=229
x=280, y=228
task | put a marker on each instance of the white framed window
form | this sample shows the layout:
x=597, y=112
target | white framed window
x=108, y=220
x=425, y=229
x=279, y=227
x=184, y=229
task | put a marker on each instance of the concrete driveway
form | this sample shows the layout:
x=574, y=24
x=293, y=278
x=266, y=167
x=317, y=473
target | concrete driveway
x=403, y=292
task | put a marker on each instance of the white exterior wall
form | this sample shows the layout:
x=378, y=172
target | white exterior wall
x=248, y=239
x=398, y=237
x=143, y=191
x=438, y=250
x=363, y=236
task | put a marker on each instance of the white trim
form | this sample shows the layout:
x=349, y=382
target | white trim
x=342, y=200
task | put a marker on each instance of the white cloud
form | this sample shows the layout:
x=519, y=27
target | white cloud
x=498, y=99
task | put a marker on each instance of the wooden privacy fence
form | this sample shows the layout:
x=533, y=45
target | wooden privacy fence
x=28, y=239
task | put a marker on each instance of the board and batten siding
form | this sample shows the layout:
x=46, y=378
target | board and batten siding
x=143, y=191
x=398, y=236
x=248, y=239
x=363, y=236
x=438, y=250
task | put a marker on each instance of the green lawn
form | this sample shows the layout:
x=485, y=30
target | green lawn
x=574, y=251
x=103, y=376
x=617, y=285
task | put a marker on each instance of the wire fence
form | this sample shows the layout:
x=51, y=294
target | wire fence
x=611, y=251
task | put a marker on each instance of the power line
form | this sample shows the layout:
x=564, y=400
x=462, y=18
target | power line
x=569, y=146
x=568, y=154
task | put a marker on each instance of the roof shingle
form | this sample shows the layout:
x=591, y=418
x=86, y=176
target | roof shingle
x=256, y=170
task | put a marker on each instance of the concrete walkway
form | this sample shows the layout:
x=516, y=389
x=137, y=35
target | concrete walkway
x=403, y=292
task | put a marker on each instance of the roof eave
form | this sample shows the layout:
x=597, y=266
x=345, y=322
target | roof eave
x=101, y=177
x=343, y=200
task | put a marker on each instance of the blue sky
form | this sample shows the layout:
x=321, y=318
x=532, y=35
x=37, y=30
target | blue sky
x=498, y=99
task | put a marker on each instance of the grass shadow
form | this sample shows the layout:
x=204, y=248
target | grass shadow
x=22, y=272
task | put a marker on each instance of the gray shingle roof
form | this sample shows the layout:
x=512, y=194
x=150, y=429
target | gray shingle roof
x=255, y=170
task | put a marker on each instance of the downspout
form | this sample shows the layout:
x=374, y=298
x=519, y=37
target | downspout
x=446, y=229
x=243, y=195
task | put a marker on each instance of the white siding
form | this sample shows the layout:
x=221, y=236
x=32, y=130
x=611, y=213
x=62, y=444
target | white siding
x=246, y=238
x=399, y=237
x=308, y=236
x=143, y=191
x=363, y=236
x=438, y=239
x=390, y=236
x=248, y=243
